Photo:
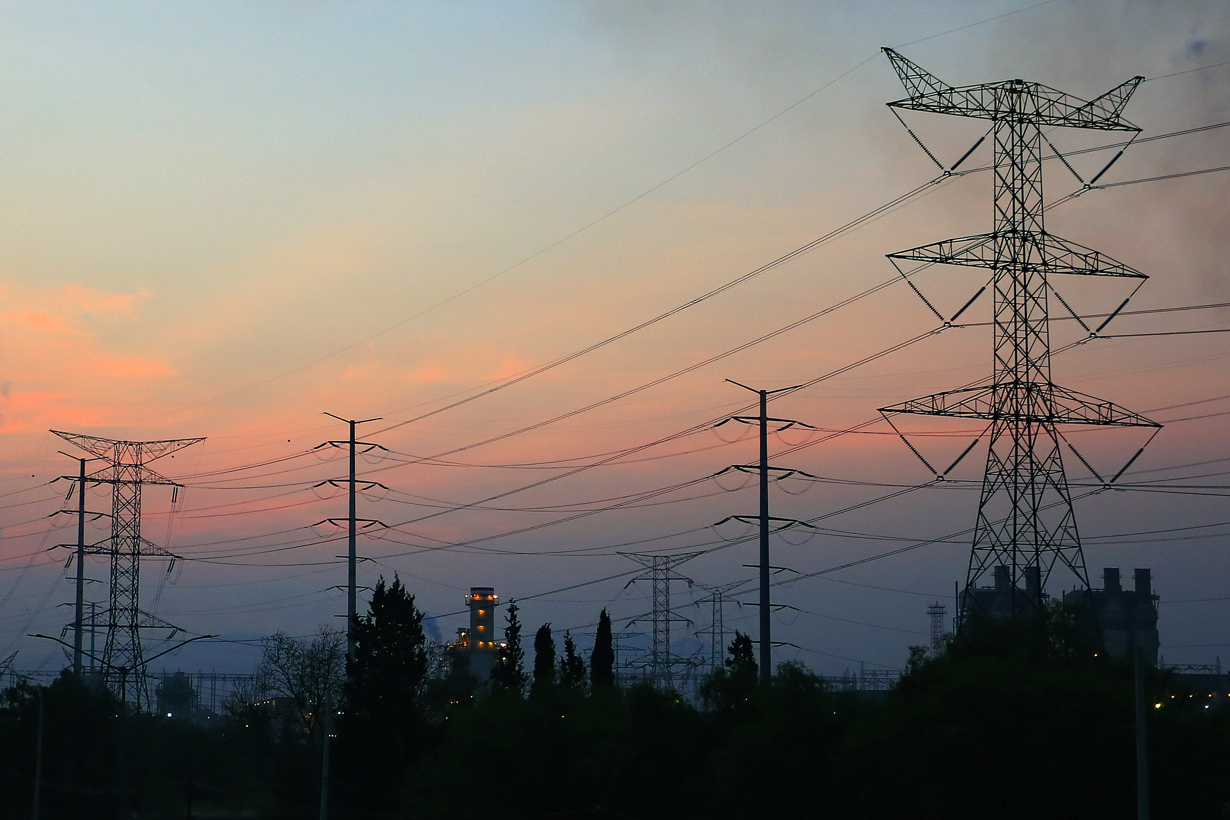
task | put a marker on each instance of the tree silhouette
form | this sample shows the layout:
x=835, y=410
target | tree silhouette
x=602, y=659
x=544, y=659
x=391, y=663
x=732, y=687
x=509, y=670
x=571, y=666
x=383, y=727
x=742, y=659
x=304, y=675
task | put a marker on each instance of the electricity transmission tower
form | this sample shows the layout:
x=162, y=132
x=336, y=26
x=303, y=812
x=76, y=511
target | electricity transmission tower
x=937, y=611
x=764, y=520
x=661, y=572
x=126, y=471
x=352, y=523
x=717, y=621
x=1025, y=524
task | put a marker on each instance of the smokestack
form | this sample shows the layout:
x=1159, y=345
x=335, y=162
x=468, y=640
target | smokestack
x=1110, y=579
x=1144, y=585
x=1003, y=581
x=1033, y=582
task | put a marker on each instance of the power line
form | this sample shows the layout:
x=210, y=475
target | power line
x=1188, y=71
x=1165, y=176
x=657, y=186
x=765, y=268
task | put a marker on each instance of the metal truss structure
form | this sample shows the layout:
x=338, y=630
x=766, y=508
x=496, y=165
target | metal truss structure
x=126, y=471
x=1025, y=525
x=936, y=613
x=661, y=572
x=717, y=622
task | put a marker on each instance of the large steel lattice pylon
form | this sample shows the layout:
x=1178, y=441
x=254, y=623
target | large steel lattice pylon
x=126, y=471
x=662, y=662
x=1025, y=525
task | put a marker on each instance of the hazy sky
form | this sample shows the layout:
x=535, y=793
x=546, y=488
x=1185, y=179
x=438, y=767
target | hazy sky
x=224, y=219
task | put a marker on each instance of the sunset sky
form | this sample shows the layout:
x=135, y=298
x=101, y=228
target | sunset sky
x=226, y=219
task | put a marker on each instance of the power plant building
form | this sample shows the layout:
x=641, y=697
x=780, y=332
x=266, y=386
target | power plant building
x=477, y=642
x=1127, y=618
x=1005, y=599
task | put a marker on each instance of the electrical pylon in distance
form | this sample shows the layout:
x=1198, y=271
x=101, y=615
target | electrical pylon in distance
x=127, y=473
x=661, y=572
x=1025, y=521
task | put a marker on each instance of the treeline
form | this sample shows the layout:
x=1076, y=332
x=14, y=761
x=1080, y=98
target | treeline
x=1010, y=720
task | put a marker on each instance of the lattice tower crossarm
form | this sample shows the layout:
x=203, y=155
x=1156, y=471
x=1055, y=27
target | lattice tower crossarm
x=126, y=472
x=1025, y=519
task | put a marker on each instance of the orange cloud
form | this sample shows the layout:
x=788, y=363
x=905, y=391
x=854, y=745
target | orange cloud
x=360, y=371
x=51, y=344
x=429, y=374
x=57, y=371
x=41, y=410
x=38, y=321
x=510, y=368
x=99, y=303
x=129, y=367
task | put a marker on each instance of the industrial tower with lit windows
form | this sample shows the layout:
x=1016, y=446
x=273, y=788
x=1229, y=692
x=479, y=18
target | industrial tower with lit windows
x=478, y=641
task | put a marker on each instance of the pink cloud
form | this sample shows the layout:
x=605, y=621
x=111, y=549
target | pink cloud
x=510, y=368
x=48, y=341
x=38, y=321
x=430, y=374
x=360, y=371
x=129, y=367
x=41, y=410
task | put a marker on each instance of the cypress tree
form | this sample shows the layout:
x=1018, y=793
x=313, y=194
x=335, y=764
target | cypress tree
x=571, y=666
x=544, y=659
x=602, y=659
x=509, y=671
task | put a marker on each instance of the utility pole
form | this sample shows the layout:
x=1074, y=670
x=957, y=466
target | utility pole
x=352, y=522
x=763, y=519
x=80, y=597
x=38, y=758
x=1142, y=739
x=93, y=634
x=324, y=762
x=1025, y=525
x=79, y=604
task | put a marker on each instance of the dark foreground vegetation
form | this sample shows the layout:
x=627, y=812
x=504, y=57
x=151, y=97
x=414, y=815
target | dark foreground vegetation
x=1008, y=722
